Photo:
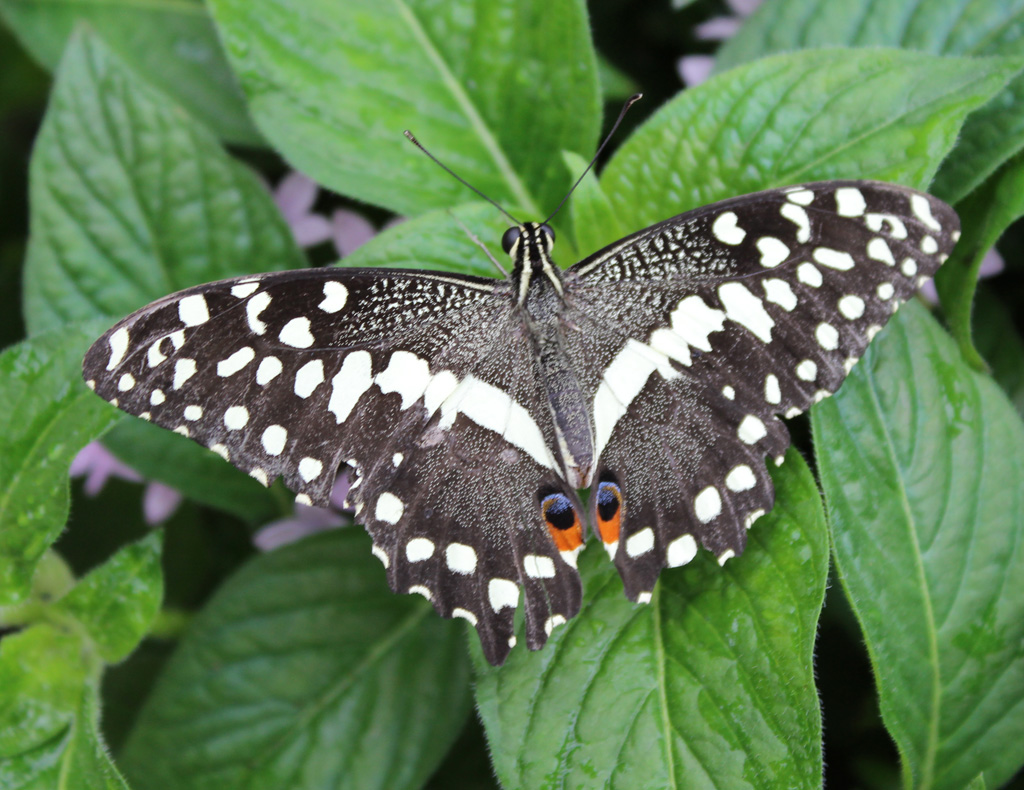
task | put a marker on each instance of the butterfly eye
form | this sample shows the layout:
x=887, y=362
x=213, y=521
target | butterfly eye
x=609, y=511
x=510, y=237
x=563, y=521
x=550, y=233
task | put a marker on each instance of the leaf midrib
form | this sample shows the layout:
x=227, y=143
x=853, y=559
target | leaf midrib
x=469, y=110
x=935, y=701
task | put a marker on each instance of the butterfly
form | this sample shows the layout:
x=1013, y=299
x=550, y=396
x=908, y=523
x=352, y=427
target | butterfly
x=473, y=410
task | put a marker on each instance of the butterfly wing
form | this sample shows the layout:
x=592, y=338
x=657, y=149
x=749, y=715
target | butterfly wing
x=699, y=331
x=403, y=375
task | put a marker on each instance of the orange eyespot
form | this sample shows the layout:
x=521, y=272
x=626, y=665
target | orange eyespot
x=609, y=511
x=563, y=522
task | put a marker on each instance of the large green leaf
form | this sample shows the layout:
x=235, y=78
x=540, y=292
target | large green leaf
x=131, y=199
x=496, y=90
x=48, y=415
x=922, y=463
x=709, y=686
x=941, y=27
x=984, y=215
x=805, y=116
x=117, y=602
x=305, y=671
x=172, y=43
x=50, y=671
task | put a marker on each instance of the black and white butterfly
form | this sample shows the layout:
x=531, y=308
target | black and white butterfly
x=652, y=373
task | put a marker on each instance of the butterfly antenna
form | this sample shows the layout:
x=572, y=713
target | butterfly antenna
x=479, y=243
x=457, y=177
x=622, y=114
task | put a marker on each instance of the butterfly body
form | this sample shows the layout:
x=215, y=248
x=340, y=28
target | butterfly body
x=653, y=372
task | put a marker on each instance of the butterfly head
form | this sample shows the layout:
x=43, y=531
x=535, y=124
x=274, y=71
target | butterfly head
x=531, y=241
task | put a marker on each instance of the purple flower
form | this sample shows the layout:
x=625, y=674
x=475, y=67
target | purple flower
x=97, y=464
x=695, y=69
x=306, y=520
x=295, y=196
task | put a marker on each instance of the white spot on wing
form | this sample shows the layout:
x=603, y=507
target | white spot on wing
x=681, y=551
x=184, y=369
x=243, y=290
x=270, y=368
x=834, y=259
x=726, y=230
x=886, y=291
x=460, y=558
x=193, y=413
x=118, y=346
x=827, y=336
x=126, y=382
x=308, y=378
x=851, y=306
x=192, y=310
x=850, y=202
x=923, y=211
x=502, y=593
x=797, y=215
x=406, y=374
x=419, y=549
x=156, y=397
x=772, y=392
x=746, y=309
x=553, y=622
x=751, y=430
x=274, y=439
x=349, y=384
x=808, y=275
x=640, y=542
x=773, y=251
x=335, y=296
x=236, y=418
x=807, y=370
x=465, y=614
x=296, y=333
x=707, y=504
x=803, y=197
x=235, y=362
x=253, y=308
x=390, y=509
x=779, y=292
x=310, y=469
x=879, y=251
x=741, y=478
x=538, y=567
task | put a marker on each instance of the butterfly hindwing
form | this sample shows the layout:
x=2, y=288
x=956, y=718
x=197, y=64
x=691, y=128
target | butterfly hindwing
x=722, y=319
x=403, y=375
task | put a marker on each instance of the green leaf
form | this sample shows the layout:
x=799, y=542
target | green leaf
x=940, y=27
x=1001, y=345
x=49, y=672
x=984, y=215
x=615, y=83
x=922, y=463
x=172, y=43
x=48, y=416
x=710, y=686
x=495, y=90
x=131, y=199
x=159, y=454
x=305, y=671
x=117, y=602
x=436, y=240
x=594, y=222
x=882, y=114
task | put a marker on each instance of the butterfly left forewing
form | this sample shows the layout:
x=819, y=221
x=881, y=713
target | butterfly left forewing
x=422, y=382
x=704, y=328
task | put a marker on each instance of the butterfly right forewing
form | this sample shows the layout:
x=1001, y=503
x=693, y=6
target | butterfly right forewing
x=723, y=319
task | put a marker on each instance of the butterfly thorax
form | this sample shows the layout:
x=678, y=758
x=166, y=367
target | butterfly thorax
x=541, y=300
